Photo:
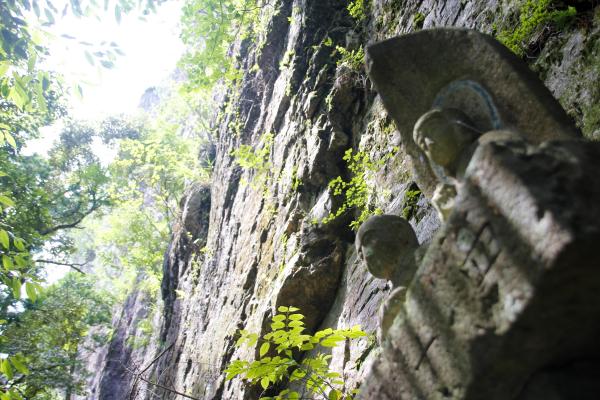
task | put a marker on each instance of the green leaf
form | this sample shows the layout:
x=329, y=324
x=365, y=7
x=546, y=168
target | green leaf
x=7, y=201
x=9, y=138
x=264, y=382
x=4, y=239
x=283, y=309
x=295, y=324
x=6, y=369
x=297, y=374
x=293, y=309
x=17, y=97
x=264, y=349
x=4, y=66
x=20, y=261
x=332, y=341
x=38, y=288
x=31, y=62
x=277, y=325
x=31, y=292
x=16, y=288
x=41, y=99
x=7, y=263
x=19, y=365
x=296, y=317
x=307, y=346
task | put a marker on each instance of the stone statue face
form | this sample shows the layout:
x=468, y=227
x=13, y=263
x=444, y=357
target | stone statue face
x=443, y=134
x=385, y=243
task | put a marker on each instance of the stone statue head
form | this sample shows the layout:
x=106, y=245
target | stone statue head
x=387, y=245
x=444, y=134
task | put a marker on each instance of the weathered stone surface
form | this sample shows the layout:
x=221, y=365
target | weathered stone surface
x=413, y=72
x=508, y=288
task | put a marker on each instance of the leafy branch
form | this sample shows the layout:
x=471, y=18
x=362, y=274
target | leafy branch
x=280, y=350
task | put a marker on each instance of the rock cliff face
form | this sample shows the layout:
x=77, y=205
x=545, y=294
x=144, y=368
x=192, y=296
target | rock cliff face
x=253, y=240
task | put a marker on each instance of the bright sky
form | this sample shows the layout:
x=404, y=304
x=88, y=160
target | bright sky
x=152, y=49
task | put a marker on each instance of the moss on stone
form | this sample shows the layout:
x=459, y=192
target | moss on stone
x=418, y=20
x=533, y=16
x=591, y=122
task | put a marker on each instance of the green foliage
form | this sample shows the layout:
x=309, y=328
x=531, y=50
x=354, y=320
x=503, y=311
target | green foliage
x=287, y=60
x=296, y=180
x=148, y=177
x=216, y=24
x=533, y=16
x=256, y=161
x=161, y=163
x=279, y=352
x=54, y=193
x=143, y=333
x=411, y=198
x=43, y=341
x=354, y=60
x=40, y=198
x=417, y=20
x=356, y=191
x=358, y=9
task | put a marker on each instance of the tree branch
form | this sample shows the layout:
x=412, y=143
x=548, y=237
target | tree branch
x=96, y=204
x=74, y=266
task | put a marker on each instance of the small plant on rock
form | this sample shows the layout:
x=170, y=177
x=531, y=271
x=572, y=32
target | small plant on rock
x=358, y=9
x=356, y=191
x=256, y=160
x=280, y=350
x=354, y=60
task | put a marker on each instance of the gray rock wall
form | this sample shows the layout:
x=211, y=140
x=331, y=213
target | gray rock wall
x=255, y=245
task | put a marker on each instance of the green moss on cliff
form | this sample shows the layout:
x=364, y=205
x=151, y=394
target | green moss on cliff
x=534, y=15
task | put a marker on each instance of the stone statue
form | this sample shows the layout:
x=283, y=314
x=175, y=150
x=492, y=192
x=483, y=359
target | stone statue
x=448, y=139
x=388, y=246
x=446, y=135
x=522, y=216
